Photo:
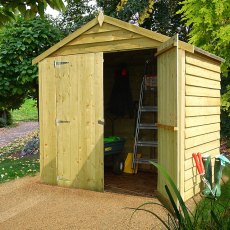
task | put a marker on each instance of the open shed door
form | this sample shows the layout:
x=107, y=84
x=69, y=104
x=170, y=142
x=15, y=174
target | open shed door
x=78, y=85
x=168, y=112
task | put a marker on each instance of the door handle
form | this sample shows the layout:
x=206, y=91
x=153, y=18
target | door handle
x=61, y=121
x=100, y=122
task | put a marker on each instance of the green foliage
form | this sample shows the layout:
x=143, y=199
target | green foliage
x=28, y=8
x=165, y=19
x=211, y=213
x=210, y=26
x=27, y=111
x=130, y=10
x=77, y=13
x=211, y=31
x=12, y=166
x=159, y=16
x=20, y=42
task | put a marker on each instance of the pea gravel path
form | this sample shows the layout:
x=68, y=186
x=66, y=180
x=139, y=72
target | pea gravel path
x=8, y=135
x=28, y=204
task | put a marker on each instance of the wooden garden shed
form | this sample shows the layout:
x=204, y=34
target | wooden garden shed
x=72, y=84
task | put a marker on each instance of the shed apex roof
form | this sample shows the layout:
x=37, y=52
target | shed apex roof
x=113, y=21
x=121, y=24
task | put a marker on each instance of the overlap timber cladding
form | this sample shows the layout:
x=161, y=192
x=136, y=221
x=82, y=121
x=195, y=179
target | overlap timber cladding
x=107, y=38
x=202, y=115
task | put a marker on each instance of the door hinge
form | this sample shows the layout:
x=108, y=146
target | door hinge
x=58, y=63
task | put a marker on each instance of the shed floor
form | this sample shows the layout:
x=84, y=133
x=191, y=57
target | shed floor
x=142, y=184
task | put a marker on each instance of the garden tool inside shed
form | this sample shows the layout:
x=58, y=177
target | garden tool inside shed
x=201, y=170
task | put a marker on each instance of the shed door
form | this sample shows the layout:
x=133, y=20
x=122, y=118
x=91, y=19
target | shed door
x=79, y=107
x=167, y=61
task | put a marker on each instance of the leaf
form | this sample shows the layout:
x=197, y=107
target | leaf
x=216, y=219
x=41, y=8
x=178, y=215
x=177, y=193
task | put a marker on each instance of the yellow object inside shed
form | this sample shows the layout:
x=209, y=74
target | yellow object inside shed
x=128, y=163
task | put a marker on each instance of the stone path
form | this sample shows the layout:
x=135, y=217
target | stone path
x=8, y=135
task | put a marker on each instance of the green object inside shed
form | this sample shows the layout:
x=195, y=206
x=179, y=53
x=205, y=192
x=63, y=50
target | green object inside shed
x=112, y=139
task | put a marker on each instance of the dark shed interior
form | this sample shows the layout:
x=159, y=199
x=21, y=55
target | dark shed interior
x=123, y=74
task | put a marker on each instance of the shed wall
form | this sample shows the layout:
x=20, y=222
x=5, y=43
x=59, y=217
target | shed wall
x=167, y=116
x=202, y=115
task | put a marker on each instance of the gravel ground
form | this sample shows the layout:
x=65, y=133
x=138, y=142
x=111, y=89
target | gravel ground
x=8, y=135
x=28, y=204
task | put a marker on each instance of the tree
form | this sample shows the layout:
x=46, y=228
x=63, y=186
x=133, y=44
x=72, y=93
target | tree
x=127, y=10
x=159, y=15
x=20, y=42
x=210, y=21
x=76, y=14
x=28, y=8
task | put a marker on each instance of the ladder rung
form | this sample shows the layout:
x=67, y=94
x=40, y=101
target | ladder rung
x=148, y=108
x=147, y=143
x=147, y=126
x=145, y=161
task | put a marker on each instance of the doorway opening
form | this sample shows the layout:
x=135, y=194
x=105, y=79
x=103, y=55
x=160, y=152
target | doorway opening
x=123, y=75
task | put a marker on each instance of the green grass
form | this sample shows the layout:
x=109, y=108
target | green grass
x=12, y=166
x=27, y=112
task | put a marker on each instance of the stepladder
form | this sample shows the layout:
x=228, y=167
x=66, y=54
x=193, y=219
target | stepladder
x=145, y=140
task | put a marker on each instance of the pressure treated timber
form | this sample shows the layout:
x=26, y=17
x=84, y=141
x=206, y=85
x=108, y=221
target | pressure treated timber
x=110, y=46
x=191, y=173
x=202, y=82
x=190, y=183
x=199, y=130
x=202, y=148
x=202, y=92
x=202, y=101
x=200, y=72
x=48, y=132
x=100, y=29
x=193, y=191
x=188, y=102
x=65, y=41
x=201, y=111
x=207, y=54
x=77, y=143
x=198, y=140
x=117, y=35
x=89, y=133
x=167, y=113
x=133, y=28
x=63, y=113
x=181, y=119
x=201, y=120
x=203, y=62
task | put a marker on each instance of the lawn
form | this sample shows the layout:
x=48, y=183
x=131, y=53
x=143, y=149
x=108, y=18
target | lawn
x=12, y=166
x=27, y=112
